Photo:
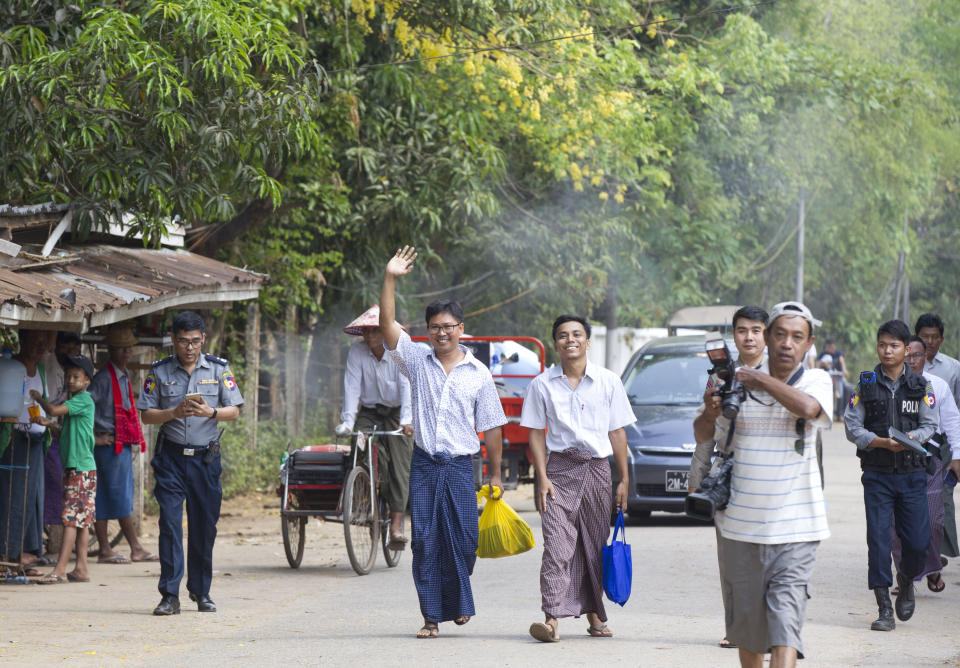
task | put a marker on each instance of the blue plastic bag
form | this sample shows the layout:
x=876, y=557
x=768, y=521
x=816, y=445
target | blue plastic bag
x=617, y=565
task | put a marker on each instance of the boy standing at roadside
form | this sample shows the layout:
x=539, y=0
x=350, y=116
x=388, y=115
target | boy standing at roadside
x=79, y=467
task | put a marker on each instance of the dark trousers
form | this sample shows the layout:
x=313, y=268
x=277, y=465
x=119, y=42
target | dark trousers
x=21, y=495
x=182, y=478
x=901, y=497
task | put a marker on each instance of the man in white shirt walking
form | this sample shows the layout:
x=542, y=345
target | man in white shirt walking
x=576, y=412
x=454, y=398
x=929, y=328
x=376, y=396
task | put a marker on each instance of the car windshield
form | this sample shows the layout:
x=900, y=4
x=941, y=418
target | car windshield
x=667, y=378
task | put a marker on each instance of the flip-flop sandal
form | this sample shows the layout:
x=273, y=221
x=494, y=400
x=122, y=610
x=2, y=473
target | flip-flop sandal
x=76, y=578
x=460, y=621
x=397, y=542
x=115, y=559
x=544, y=632
x=727, y=644
x=52, y=579
x=599, y=631
x=150, y=557
x=31, y=572
x=428, y=630
x=935, y=583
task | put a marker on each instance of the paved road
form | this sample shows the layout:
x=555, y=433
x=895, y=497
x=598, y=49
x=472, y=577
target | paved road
x=323, y=614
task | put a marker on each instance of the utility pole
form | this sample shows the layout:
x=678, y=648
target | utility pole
x=900, y=293
x=801, y=215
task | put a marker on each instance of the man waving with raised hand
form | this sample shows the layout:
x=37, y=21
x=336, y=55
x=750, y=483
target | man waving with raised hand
x=453, y=397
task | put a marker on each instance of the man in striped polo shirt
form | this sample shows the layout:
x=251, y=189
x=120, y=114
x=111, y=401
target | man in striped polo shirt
x=776, y=516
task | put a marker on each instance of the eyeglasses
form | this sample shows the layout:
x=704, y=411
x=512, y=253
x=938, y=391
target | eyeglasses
x=915, y=356
x=801, y=428
x=447, y=329
x=189, y=343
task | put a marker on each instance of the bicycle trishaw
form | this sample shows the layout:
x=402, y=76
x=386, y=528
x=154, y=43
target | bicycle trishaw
x=339, y=484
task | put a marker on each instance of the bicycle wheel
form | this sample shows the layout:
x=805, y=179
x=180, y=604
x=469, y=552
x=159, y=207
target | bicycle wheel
x=294, y=530
x=391, y=556
x=360, y=527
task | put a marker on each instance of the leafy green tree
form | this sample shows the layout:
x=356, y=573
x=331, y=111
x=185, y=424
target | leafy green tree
x=159, y=108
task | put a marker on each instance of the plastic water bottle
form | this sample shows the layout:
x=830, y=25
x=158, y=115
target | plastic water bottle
x=13, y=376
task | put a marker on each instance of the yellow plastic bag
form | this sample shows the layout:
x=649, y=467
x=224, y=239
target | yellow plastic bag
x=502, y=532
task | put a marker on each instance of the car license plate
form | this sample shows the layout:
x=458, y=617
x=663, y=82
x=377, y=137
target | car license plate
x=677, y=481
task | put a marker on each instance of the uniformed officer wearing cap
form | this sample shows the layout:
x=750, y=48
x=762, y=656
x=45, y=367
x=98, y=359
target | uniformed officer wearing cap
x=186, y=463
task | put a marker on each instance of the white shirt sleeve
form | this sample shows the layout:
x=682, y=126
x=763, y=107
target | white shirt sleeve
x=817, y=383
x=621, y=412
x=534, y=415
x=949, y=420
x=404, y=351
x=406, y=407
x=352, y=379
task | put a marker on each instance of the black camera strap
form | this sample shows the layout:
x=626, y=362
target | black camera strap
x=733, y=423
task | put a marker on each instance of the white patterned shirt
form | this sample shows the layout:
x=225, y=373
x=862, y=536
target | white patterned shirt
x=448, y=411
x=776, y=495
x=579, y=418
x=369, y=381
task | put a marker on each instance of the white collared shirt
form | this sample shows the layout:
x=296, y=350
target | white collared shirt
x=371, y=381
x=947, y=368
x=947, y=412
x=579, y=418
x=448, y=410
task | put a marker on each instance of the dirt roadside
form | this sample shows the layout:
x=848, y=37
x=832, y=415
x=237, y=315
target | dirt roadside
x=108, y=621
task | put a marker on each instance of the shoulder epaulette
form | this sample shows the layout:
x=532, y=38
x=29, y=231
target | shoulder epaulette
x=163, y=361
x=216, y=360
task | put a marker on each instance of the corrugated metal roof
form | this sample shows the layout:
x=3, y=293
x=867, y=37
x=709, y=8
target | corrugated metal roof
x=99, y=284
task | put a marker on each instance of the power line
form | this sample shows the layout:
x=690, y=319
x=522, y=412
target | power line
x=463, y=53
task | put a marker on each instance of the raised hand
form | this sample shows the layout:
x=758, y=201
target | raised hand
x=402, y=262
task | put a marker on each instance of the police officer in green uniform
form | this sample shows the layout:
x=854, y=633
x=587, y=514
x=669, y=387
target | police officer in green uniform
x=188, y=394
x=894, y=477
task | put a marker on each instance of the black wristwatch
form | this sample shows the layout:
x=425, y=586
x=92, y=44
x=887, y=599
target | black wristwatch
x=214, y=416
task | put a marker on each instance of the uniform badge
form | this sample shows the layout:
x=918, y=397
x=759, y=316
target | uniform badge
x=149, y=384
x=228, y=381
x=854, y=400
x=929, y=399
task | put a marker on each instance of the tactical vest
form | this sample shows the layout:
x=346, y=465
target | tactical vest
x=882, y=410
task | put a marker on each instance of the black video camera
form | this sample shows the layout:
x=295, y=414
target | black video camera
x=712, y=494
x=732, y=392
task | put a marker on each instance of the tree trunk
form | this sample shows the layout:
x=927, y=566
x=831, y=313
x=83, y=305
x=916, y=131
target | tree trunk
x=292, y=369
x=252, y=354
x=276, y=394
x=208, y=243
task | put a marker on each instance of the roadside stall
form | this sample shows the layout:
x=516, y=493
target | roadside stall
x=84, y=287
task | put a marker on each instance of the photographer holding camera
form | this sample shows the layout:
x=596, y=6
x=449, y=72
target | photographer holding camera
x=749, y=323
x=775, y=516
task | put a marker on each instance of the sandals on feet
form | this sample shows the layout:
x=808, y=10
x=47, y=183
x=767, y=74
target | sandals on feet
x=935, y=583
x=460, y=621
x=52, y=579
x=428, y=630
x=599, y=631
x=725, y=643
x=544, y=632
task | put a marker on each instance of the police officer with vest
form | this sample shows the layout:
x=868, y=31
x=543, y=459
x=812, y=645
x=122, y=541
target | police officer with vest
x=894, y=476
x=188, y=394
